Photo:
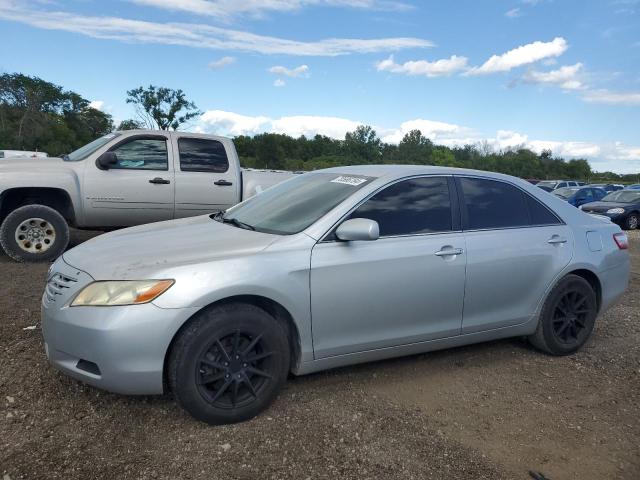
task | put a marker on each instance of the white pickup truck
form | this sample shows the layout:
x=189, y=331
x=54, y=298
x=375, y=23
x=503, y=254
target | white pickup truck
x=122, y=179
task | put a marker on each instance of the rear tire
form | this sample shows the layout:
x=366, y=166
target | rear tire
x=631, y=223
x=229, y=364
x=567, y=317
x=34, y=233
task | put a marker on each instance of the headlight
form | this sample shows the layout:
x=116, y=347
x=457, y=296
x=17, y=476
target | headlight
x=615, y=210
x=125, y=292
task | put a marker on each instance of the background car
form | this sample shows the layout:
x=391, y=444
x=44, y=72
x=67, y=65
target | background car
x=577, y=196
x=555, y=184
x=607, y=187
x=635, y=186
x=622, y=207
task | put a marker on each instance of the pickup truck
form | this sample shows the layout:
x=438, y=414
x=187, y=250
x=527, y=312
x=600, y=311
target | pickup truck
x=122, y=179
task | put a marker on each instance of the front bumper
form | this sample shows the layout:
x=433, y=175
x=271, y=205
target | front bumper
x=124, y=346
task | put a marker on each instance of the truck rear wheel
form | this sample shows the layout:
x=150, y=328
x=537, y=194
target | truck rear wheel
x=34, y=233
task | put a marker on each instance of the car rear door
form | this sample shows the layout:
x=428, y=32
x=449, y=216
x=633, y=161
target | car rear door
x=405, y=287
x=137, y=190
x=207, y=176
x=516, y=248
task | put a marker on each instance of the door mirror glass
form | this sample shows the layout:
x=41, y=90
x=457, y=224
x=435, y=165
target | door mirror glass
x=107, y=160
x=358, y=229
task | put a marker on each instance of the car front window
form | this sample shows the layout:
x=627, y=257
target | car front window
x=89, y=148
x=623, y=196
x=565, y=192
x=292, y=206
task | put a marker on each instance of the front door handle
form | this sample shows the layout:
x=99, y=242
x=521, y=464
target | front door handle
x=448, y=251
x=223, y=183
x=159, y=181
x=556, y=240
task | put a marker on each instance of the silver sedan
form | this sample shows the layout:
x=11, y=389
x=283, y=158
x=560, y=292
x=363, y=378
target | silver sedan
x=331, y=268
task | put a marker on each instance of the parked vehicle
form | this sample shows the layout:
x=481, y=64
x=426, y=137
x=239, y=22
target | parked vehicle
x=121, y=179
x=545, y=188
x=622, y=207
x=607, y=187
x=635, y=186
x=22, y=153
x=556, y=184
x=331, y=268
x=577, y=196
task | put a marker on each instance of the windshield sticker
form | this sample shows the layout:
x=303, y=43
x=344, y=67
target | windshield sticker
x=353, y=181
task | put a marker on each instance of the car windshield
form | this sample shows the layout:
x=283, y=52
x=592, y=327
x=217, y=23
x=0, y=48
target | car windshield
x=292, y=206
x=89, y=148
x=623, y=196
x=565, y=192
x=547, y=183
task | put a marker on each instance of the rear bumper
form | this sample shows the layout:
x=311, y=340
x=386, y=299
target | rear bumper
x=615, y=282
x=126, y=344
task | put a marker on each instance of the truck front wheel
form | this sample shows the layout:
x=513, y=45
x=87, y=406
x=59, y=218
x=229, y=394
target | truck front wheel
x=34, y=233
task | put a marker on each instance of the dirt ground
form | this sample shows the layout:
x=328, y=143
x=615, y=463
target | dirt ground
x=489, y=411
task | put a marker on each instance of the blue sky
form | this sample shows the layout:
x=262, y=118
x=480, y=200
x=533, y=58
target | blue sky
x=556, y=74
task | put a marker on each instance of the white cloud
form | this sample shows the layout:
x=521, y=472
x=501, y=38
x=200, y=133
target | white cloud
x=221, y=63
x=279, y=83
x=230, y=8
x=301, y=71
x=437, y=68
x=612, y=98
x=97, y=104
x=514, y=13
x=565, y=77
x=613, y=156
x=523, y=55
x=195, y=35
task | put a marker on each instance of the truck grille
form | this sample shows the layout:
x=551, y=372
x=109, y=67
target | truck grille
x=58, y=285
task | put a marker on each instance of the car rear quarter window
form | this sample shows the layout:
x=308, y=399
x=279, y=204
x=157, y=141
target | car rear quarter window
x=540, y=214
x=492, y=204
x=202, y=155
x=410, y=207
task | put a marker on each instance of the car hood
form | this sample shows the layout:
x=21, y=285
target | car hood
x=138, y=252
x=22, y=163
x=601, y=207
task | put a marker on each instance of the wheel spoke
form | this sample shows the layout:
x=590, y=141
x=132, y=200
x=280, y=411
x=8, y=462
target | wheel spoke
x=210, y=378
x=212, y=364
x=247, y=382
x=259, y=356
x=223, y=351
x=257, y=371
x=236, y=343
x=563, y=328
x=253, y=343
x=221, y=391
x=234, y=392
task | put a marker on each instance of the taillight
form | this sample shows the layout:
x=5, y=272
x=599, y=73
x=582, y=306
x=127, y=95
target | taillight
x=621, y=240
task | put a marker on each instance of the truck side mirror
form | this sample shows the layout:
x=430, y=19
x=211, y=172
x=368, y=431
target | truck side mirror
x=107, y=160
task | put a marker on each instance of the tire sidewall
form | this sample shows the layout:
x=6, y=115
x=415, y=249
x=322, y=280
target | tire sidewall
x=15, y=218
x=554, y=345
x=218, y=323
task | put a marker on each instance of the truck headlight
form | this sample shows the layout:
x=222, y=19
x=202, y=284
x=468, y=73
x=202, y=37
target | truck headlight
x=615, y=210
x=121, y=292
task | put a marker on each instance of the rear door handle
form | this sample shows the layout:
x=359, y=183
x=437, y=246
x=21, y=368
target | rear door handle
x=445, y=252
x=223, y=183
x=159, y=181
x=556, y=239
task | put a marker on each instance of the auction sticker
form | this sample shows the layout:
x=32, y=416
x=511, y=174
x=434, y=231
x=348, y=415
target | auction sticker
x=353, y=181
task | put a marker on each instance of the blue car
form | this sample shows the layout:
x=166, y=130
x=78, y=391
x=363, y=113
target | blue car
x=635, y=186
x=577, y=196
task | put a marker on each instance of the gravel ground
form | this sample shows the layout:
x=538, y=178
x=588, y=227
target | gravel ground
x=493, y=411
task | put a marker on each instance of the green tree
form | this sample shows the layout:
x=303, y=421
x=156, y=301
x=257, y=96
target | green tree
x=363, y=144
x=130, y=124
x=162, y=108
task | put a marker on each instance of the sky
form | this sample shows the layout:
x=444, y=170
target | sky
x=562, y=75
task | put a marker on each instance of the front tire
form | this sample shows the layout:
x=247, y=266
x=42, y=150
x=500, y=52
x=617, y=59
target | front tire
x=567, y=318
x=229, y=364
x=34, y=233
x=632, y=222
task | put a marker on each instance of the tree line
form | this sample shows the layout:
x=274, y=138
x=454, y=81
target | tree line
x=39, y=115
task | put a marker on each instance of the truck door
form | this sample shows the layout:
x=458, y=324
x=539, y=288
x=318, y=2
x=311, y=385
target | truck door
x=139, y=189
x=207, y=176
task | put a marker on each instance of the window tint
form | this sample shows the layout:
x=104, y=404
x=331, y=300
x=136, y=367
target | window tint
x=419, y=205
x=540, y=215
x=493, y=204
x=142, y=154
x=200, y=155
x=562, y=185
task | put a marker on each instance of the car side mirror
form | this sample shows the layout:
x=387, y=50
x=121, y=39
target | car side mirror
x=358, y=229
x=107, y=160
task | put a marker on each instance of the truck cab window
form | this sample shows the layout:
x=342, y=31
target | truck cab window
x=142, y=154
x=201, y=155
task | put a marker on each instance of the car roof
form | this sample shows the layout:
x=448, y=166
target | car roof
x=395, y=171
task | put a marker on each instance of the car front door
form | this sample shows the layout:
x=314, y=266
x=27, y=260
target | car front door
x=405, y=287
x=206, y=181
x=137, y=189
x=516, y=248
